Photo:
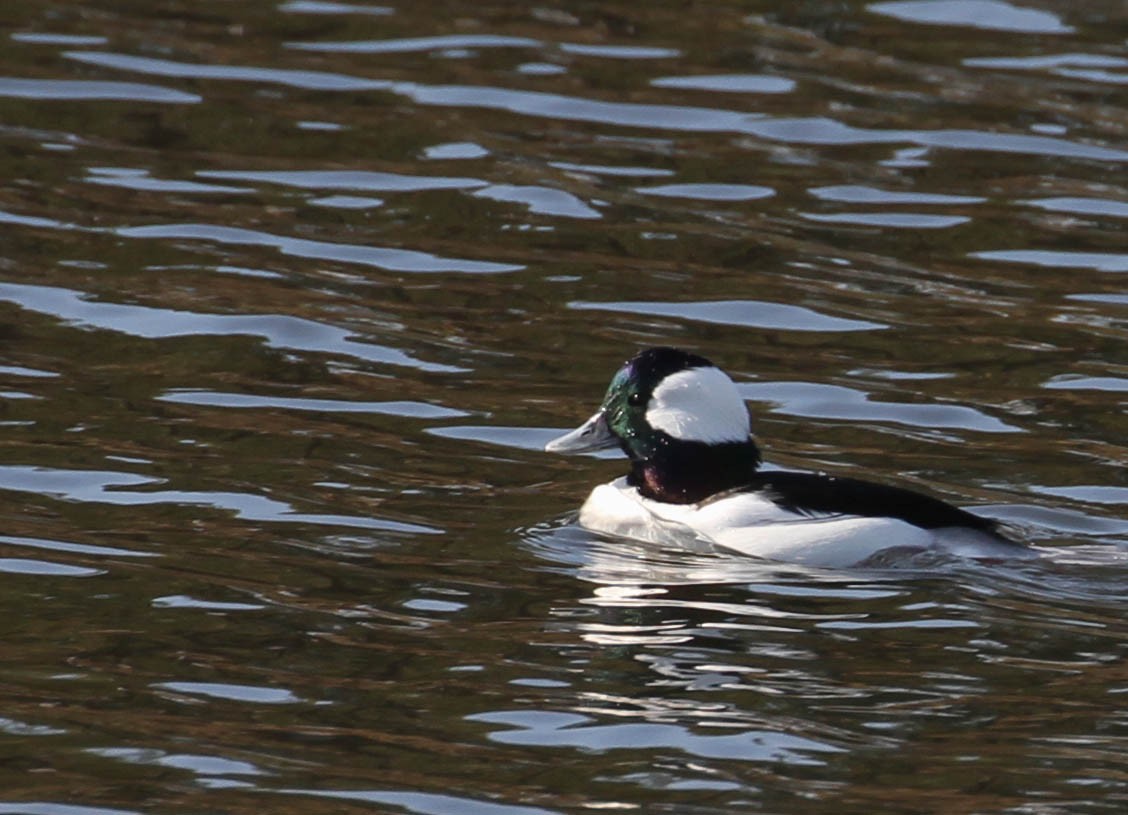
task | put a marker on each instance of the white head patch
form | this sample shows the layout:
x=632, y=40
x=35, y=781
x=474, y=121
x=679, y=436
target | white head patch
x=699, y=404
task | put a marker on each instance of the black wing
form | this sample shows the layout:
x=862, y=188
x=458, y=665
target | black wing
x=819, y=493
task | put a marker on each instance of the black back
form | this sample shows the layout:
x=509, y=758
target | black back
x=819, y=493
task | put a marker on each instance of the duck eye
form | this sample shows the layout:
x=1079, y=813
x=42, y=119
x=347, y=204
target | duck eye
x=636, y=399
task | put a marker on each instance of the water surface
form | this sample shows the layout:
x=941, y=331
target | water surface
x=292, y=295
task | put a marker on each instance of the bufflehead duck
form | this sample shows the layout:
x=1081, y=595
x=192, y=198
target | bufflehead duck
x=695, y=471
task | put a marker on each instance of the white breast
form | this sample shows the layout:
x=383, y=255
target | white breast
x=752, y=525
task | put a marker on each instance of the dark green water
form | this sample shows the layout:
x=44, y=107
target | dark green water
x=292, y=294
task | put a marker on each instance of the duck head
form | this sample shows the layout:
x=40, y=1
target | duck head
x=679, y=419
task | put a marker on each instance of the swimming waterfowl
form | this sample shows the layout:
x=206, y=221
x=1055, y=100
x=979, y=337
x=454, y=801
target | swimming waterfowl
x=696, y=470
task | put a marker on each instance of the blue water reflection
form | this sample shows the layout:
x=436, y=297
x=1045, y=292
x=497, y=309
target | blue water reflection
x=278, y=330
x=92, y=90
x=993, y=15
x=46, y=568
x=1082, y=206
x=895, y=220
x=801, y=130
x=253, y=694
x=326, y=7
x=75, y=548
x=540, y=200
x=710, y=192
x=728, y=83
x=552, y=729
x=1060, y=259
x=423, y=803
x=50, y=38
x=747, y=313
x=464, y=150
x=52, y=808
x=110, y=487
x=354, y=180
x=410, y=44
x=129, y=178
x=822, y=401
x=203, y=765
x=399, y=260
x=417, y=410
x=858, y=194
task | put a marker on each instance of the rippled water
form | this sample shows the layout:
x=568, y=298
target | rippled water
x=291, y=296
